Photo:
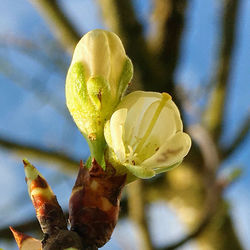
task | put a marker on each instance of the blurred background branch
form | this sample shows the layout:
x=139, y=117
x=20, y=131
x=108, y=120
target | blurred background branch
x=216, y=108
x=63, y=162
x=62, y=28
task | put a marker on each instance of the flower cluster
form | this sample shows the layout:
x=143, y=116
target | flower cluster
x=134, y=136
x=143, y=131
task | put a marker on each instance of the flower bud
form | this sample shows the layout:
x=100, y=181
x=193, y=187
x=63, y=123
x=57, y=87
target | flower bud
x=145, y=135
x=97, y=78
x=48, y=211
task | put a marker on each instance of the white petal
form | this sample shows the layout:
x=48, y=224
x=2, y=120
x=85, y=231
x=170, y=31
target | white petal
x=164, y=127
x=173, y=151
x=137, y=103
x=117, y=59
x=129, y=100
x=107, y=134
x=172, y=106
x=117, y=130
x=99, y=56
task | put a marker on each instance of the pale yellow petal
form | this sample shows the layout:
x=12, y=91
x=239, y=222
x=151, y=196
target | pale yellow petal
x=129, y=100
x=164, y=127
x=171, y=152
x=117, y=130
x=170, y=104
x=137, y=103
x=117, y=59
x=107, y=134
x=99, y=53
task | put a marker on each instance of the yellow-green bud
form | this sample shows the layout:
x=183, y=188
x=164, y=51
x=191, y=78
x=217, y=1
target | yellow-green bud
x=97, y=78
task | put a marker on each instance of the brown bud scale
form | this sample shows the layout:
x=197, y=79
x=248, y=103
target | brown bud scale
x=94, y=204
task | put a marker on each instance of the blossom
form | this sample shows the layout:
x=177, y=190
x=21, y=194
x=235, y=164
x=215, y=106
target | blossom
x=145, y=134
x=97, y=78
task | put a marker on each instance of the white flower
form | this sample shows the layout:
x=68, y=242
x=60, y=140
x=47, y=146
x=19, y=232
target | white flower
x=145, y=134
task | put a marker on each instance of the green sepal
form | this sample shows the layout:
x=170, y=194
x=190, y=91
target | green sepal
x=125, y=78
x=140, y=171
x=165, y=169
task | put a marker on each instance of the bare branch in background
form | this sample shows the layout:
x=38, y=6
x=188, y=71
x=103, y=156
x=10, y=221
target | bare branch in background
x=137, y=213
x=239, y=139
x=35, y=85
x=215, y=111
x=49, y=55
x=168, y=22
x=211, y=208
x=121, y=18
x=65, y=163
x=31, y=225
x=63, y=29
x=207, y=146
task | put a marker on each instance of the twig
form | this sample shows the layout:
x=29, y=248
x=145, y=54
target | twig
x=211, y=206
x=169, y=18
x=63, y=29
x=239, y=139
x=207, y=146
x=120, y=17
x=215, y=110
x=65, y=163
x=136, y=205
x=20, y=78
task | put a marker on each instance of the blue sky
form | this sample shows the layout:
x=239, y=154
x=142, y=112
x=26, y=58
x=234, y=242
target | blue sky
x=26, y=117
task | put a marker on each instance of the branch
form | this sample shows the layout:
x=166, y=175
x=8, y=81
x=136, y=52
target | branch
x=207, y=147
x=136, y=205
x=169, y=20
x=32, y=225
x=239, y=139
x=120, y=17
x=13, y=73
x=212, y=204
x=215, y=110
x=63, y=29
x=65, y=163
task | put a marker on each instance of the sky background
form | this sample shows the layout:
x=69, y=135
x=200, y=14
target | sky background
x=26, y=115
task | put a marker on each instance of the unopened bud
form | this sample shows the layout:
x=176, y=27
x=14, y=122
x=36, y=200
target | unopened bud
x=48, y=211
x=97, y=78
